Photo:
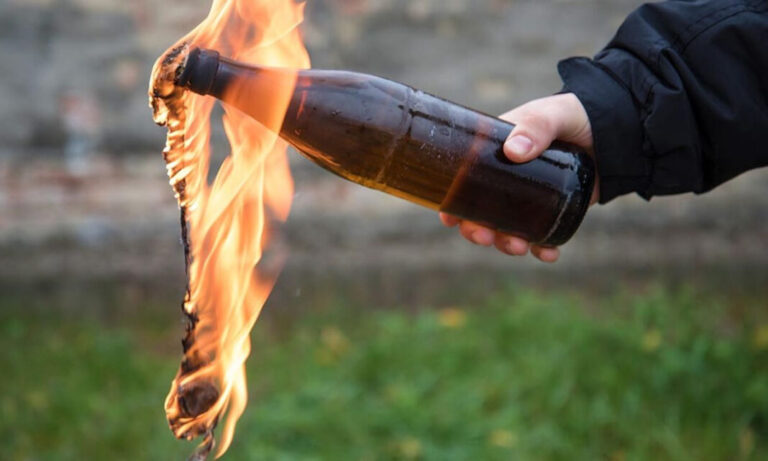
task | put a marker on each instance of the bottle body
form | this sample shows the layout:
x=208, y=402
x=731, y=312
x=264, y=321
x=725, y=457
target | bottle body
x=390, y=137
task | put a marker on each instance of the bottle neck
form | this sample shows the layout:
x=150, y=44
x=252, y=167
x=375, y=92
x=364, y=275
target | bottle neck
x=263, y=93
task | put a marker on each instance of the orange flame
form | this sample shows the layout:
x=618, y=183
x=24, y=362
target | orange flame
x=227, y=221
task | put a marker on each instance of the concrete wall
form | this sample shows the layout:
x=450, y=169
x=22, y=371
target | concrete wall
x=489, y=54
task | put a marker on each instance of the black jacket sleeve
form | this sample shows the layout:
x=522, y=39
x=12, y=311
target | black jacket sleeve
x=678, y=100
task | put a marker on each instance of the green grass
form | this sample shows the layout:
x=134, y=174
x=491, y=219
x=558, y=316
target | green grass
x=664, y=375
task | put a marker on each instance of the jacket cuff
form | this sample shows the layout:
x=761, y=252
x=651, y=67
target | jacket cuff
x=616, y=127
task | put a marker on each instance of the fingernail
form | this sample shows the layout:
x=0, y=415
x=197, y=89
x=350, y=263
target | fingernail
x=519, y=145
x=482, y=237
x=515, y=249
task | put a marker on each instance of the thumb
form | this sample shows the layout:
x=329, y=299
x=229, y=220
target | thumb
x=532, y=135
x=540, y=122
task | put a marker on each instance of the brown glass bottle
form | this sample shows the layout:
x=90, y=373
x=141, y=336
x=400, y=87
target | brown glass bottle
x=390, y=137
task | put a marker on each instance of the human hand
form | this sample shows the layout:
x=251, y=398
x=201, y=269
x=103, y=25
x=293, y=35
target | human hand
x=538, y=124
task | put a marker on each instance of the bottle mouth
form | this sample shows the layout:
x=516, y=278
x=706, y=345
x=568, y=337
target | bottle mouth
x=199, y=71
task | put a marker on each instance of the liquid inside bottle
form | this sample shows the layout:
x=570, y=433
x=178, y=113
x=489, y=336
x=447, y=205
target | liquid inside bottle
x=390, y=137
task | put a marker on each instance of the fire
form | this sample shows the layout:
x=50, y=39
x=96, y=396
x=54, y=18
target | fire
x=225, y=224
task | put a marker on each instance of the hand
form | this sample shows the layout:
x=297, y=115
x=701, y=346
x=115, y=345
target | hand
x=538, y=123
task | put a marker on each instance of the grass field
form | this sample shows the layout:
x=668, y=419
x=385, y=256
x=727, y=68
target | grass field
x=530, y=375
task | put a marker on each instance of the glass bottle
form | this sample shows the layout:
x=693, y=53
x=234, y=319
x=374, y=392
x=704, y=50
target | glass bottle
x=391, y=137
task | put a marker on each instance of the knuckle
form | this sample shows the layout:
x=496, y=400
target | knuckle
x=537, y=122
x=466, y=232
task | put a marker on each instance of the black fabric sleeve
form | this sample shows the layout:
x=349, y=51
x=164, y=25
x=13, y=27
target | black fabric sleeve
x=678, y=100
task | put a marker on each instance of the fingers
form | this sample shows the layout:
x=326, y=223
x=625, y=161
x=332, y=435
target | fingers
x=546, y=254
x=449, y=220
x=513, y=246
x=507, y=244
x=540, y=122
x=477, y=234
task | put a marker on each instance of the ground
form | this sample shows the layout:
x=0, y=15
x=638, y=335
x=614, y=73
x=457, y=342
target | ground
x=660, y=373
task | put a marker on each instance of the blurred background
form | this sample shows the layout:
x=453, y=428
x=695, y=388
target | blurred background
x=387, y=336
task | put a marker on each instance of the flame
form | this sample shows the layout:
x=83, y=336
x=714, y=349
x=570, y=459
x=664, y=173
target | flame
x=225, y=224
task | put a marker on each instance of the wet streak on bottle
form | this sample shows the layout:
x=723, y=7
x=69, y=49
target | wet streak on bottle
x=390, y=137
